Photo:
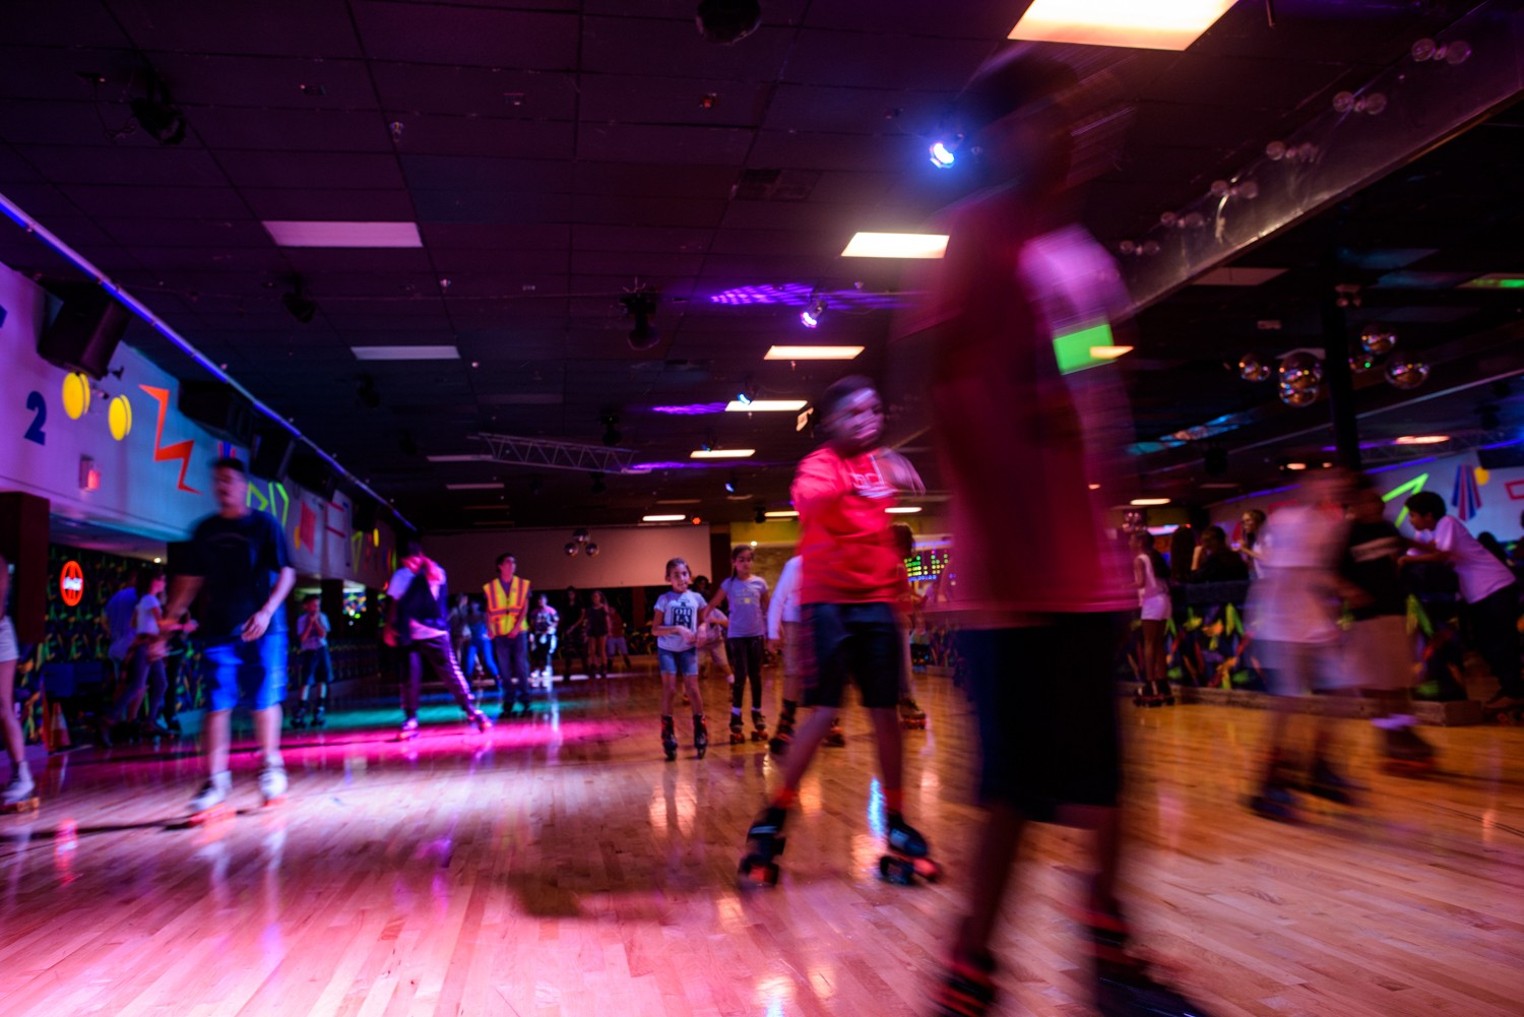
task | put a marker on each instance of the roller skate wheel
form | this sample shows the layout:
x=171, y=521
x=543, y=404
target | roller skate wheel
x=216, y=813
x=759, y=736
x=759, y=871
x=24, y=805
x=896, y=870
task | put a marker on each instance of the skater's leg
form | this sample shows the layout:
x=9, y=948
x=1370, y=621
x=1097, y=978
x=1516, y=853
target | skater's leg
x=807, y=738
x=668, y=691
x=502, y=653
x=754, y=670
x=10, y=727
x=158, y=684
x=886, y=735
x=439, y=657
x=412, y=681
x=267, y=724
x=994, y=859
x=217, y=732
x=691, y=683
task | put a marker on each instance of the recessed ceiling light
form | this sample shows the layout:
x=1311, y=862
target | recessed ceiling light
x=896, y=245
x=1421, y=439
x=405, y=352
x=781, y=514
x=765, y=406
x=722, y=453
x=1109, y=352
x=287, y=233
x=813, y=353
x=903, y=510
x=1154, y=24
x=1148, y=502
x=472, y=458
x=675, y=518
x=495, y=485
x=1095, y=487
x=1296, y=467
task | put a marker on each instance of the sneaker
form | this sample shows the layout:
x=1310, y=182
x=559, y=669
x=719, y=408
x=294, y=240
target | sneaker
x=213, y=793
x=272, y=782
x=20, y=788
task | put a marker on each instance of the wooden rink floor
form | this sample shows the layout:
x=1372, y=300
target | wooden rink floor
x=559, y=866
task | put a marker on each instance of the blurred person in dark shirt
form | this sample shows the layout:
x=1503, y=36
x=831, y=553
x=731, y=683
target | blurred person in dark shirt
x=1215, y=562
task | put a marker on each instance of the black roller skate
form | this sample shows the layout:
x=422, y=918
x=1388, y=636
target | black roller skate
x=668, y=739
x=409, y=730
x=299, y=717
x=758, y=726
x=737, y=730
x=1327, y=783
x=764, y=843
x=1125, y=986
x=783, y=737
x=1165, y=692
x=835, y=738
x=912, y=717
x=968, y=987
x=909, y=855
x=700, y=737
x=1407, y=753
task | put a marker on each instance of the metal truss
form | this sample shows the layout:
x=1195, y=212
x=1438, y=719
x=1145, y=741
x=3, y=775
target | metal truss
x=558, y=455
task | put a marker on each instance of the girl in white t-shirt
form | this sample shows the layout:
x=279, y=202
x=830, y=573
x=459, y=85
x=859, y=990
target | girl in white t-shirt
x=145, y=659
x=1153, y=599
x=675, y=627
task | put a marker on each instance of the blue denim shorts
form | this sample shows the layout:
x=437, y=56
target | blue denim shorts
x=251, y=674
x=678, y=662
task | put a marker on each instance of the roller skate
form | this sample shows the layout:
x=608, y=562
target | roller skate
x=784, y=735
x=968, y=987
x=909, y=855
x=737, y=730
x=409, y=730
x=320, y=716
x=273, y=783
x=1165, y=692
x=480, y=721
x=210, y=802
x=1124, y=984
x=700, y=737
x=835, y=738
x=912, y=717
x=764, y=843
x=299, y=717
x=668, y=739
x=1407, y=753
x=1326, y=783
x=758, y=726
x=20, y=795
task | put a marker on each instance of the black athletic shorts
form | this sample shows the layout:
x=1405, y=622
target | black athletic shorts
x=853, y=642
x=1047, y=712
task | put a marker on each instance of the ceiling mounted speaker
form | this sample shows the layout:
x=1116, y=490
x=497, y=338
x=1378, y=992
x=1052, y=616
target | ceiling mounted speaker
x=728, y=21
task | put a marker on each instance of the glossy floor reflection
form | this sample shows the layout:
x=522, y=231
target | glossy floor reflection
x=559, y=866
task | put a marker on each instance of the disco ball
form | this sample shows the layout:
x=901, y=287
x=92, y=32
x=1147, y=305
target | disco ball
x=1251, y=368
x=592, y=549
x=1378, y=342
x=1301, y=370
x=1300, y=397
x=570, y=549
x=1406, y=372
x=1361, y=363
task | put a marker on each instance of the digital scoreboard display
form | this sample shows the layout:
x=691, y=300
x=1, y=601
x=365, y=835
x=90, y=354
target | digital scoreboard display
x=926, y=564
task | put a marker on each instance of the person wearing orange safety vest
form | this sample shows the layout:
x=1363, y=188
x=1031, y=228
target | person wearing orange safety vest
x=507, y=612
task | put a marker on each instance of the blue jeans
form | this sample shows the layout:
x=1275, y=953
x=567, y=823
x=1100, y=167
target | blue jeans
x=479, y=645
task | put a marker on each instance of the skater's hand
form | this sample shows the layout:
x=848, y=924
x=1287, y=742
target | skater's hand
x=898, y=472
x=256, y=625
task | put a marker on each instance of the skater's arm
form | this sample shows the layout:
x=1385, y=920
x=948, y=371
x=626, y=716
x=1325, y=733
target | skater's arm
x=182, y=593
x=719, y=599
x=260, y=621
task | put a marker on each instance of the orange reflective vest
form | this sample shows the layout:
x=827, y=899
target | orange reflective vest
x=506, y=609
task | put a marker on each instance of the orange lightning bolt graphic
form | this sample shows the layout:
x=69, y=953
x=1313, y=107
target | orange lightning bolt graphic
x=180, y=450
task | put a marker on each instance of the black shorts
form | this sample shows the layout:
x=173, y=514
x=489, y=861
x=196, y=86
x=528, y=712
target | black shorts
x=1047, y=712
x=853, y=642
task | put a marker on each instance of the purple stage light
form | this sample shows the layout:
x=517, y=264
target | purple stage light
x=691, y=409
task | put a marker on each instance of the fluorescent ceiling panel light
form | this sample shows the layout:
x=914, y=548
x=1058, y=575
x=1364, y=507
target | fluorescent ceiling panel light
x=722, y=453
x=663, y=519
x=1148, y=502
x=287, y=233
x=781, y=514
x=472, y=458
x=1109, y=352
x=1296, y=467
x=1238, y=276
x=1139, y=24
x=765, y=406
x=813, y=353
x=494, y=485
x=903, y=510
x=405, y=352
x=896, y=245
x=1495, y=281
x=1421, y=439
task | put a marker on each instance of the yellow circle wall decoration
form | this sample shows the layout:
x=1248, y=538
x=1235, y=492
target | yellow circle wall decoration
x=119, y=417
x=76, y=395
x=1482, y=476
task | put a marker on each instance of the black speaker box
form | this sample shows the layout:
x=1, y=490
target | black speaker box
x=84, y=324
x=220, y=409
x=271, y=456
x=308, y=469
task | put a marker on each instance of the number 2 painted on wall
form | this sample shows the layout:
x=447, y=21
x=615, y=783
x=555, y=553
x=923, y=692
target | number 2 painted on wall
x=39, y=407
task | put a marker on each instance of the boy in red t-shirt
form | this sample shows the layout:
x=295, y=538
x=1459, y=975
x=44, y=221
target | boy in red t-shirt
x=850, y=585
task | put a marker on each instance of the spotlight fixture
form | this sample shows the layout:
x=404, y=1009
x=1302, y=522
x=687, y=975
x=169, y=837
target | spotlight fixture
x=611, y=434
x=641, y=306
x=731, y=484
x=810, y=316
x=297, y=304
x=945, y=153
x=157, y=114
x=728, y=21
